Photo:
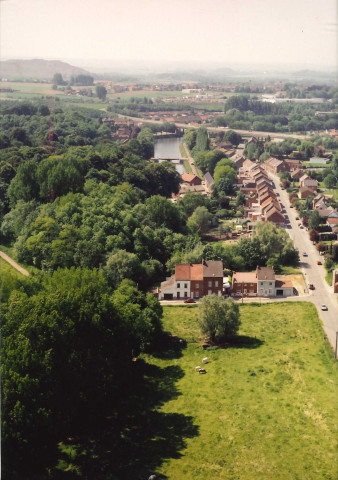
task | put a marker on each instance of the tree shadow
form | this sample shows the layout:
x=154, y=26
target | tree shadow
x=132, y=439
x=169, y=347
x=239, y=341
x=244, y=341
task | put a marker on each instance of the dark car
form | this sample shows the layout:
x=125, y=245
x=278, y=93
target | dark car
x=319, y=262
x=311, y=286
x=189, y=300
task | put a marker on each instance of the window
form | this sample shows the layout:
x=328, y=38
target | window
x=185, y=285
x=185, y=294
x=178, y=285
x=270, y=291
x=197, y=285
x=197, y=293
x=270, y=284
x=209, y=283
x=245, y=290
x=251, y=284
x=216, y=283
x=261, y=290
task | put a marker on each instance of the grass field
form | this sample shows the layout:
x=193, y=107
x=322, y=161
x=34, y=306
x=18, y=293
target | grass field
x=267, y=407
x=5, y=268
x=333, y=193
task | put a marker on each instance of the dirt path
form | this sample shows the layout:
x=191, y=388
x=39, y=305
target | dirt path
x=14, y=264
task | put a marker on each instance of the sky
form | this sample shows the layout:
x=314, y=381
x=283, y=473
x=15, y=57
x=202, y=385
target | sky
x=294, y=32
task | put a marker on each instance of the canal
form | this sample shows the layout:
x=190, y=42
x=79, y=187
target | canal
x=169, y=148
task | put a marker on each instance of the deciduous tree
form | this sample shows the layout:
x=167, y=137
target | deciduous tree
x=218, y=318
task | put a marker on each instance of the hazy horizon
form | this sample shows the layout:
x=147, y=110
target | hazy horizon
x=293, y=34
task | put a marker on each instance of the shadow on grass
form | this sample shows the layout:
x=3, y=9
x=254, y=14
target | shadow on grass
x=244, y=341
x=133, y=438
x=169, y=347
x=240, y=341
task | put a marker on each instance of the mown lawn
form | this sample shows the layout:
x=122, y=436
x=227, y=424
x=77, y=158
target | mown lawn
x=267, y=407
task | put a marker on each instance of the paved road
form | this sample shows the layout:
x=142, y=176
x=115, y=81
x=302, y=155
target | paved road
x=315, y=274
x=14, y=264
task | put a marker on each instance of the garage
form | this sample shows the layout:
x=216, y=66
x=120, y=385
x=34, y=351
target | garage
x=168, y=296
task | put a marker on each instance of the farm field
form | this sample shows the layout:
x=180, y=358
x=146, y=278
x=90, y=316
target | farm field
x=267, y=407
x=27, y=89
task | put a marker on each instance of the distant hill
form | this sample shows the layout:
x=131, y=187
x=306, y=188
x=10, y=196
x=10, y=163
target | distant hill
x=38, y=69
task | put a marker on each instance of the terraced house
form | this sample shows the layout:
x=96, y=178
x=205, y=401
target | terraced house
x=261, y=283
x=194, y=280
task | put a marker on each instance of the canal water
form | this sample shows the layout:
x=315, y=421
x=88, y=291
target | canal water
x=169, y=148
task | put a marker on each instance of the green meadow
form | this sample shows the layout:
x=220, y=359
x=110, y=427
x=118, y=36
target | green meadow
x=267, y=407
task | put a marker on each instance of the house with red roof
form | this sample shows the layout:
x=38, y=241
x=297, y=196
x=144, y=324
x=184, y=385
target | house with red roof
x=194, y=280
x=261, y=283
x=191, y=179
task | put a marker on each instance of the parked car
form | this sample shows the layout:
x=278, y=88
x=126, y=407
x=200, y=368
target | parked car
x=304, y=254
x=311, y=286
x=291, y=206
x=323, y=307
x=319, y=262
x=297, y=218
x=189, y=300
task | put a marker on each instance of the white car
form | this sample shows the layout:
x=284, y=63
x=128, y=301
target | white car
x=323, y=307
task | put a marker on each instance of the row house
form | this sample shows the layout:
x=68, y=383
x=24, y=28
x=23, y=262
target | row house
x=194, y=281
x=261, y=283
x=275, y=166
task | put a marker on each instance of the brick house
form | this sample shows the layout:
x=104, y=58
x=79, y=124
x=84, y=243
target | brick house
x=275, y=166
x=244, y=284
x=194, y=280
x=305, y=192
x=306, y=181
x=272, y=214
x=191, y=179
x=297, y=174
x=261, y=283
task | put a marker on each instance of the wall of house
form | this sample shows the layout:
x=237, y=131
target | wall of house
x=182, y=289
x=245, y=289
x=266, y=288
x=213, y=285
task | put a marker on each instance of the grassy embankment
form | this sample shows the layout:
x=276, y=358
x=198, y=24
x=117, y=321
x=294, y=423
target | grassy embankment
x=267, y=407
